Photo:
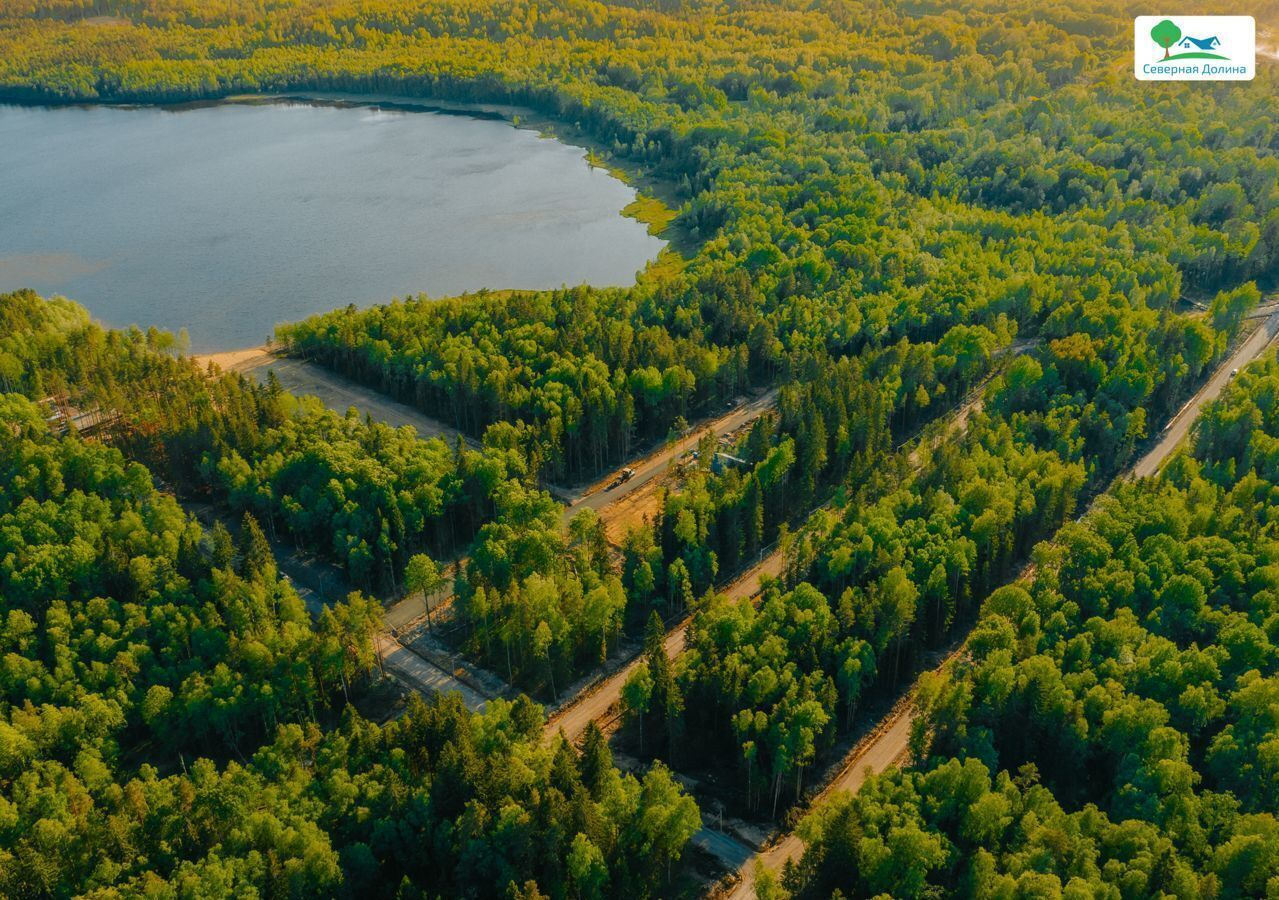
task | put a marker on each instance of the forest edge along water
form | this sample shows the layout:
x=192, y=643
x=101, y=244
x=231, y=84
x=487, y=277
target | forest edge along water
x=247, y=226
x=657, y=201
x=656, y=205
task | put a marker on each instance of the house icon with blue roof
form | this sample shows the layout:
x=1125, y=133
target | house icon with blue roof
x=1209, y=43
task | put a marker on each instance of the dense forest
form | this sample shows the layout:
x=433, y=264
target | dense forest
x=367, y=497
x=887, y=577
x=361, y=493
x=176, y=723
x=980, y=265
x=1110, y=730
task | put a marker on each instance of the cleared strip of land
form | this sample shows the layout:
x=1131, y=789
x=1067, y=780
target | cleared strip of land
x=339, y=394
x=614, y=488
x=1179, y=427
x=889, y=743
x=422, y=675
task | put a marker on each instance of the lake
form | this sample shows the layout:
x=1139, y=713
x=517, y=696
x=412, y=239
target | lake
x=231, y=218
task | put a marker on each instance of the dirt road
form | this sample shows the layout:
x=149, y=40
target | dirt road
x=957, y=421
x=1179, y=427
x=888, y=746
x=597, y=703
x=600, y=702
x=300, y=377
x=423, y=676
x=654, y=466
x=890, y=740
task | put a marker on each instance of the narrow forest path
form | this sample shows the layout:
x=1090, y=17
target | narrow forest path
x=887, y=745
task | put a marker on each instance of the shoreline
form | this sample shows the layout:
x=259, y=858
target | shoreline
x=662, y=223
x=654, y=203
x=229, y=360
x=681, y=247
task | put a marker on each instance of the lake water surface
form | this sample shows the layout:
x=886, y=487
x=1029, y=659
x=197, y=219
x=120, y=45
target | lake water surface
x=228, y=219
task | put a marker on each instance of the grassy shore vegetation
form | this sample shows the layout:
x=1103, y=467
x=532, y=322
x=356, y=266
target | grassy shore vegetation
x=891, y=208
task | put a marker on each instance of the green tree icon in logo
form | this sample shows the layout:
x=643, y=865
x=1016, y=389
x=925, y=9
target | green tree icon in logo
x=1165, y=34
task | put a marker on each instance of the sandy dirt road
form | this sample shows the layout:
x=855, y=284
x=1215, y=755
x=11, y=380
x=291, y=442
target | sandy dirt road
x=598, y=703
x=297, y=376
x=1179, y=427
x=888, y=746
x=611, y=490
x=889, y=743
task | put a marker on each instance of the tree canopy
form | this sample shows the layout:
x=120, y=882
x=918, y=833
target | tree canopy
x=980, y=265
x=1108, y=730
